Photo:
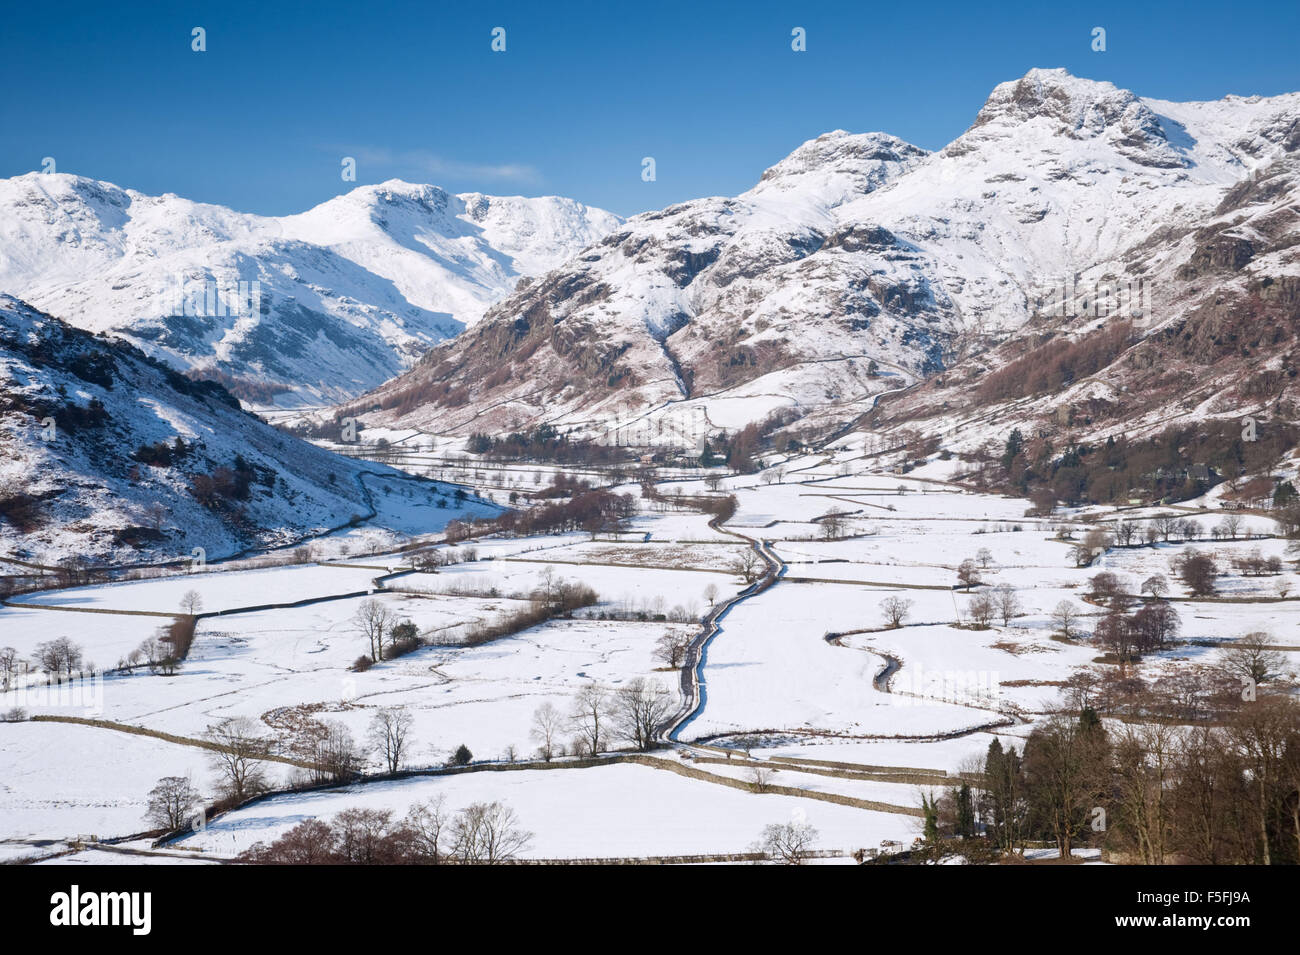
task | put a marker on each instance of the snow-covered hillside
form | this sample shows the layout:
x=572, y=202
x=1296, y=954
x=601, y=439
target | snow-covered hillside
x=109, y=455
x=854, y=249
x=347, y=294
x=1217, y=333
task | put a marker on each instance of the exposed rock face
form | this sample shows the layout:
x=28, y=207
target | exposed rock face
x=110, y=456
x=861, y=248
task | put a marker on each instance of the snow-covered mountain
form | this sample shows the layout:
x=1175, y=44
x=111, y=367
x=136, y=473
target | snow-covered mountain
x=298, y=309
x=111, y=455
x=855, y=249
x=1218, y=338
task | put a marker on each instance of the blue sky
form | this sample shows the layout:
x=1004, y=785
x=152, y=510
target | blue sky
x=584, y=91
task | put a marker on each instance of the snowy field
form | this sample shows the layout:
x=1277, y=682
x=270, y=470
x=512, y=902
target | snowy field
x=608, y=811
x=930, y=695
x=59, y=780
x=219, y=590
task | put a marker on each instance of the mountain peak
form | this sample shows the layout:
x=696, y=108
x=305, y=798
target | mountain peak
x=841, y=164
x=1077, y=104
x=1060, y=104
x=842, y=149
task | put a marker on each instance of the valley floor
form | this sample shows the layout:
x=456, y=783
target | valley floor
x=806, y=705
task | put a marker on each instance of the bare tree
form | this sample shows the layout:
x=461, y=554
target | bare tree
x=639, y=707
x=335, y=757
x=238, y=753
x=1156, y=585
x=487, y=833
x=984, y=557
x=1230, y=525
x=671, y=648
x=1064, y=617
x=833, y=524
x=1254, y=657
x=590, y=717
x=426, y=822
x=1008, y=603
x=172, y=803
x=155, y=516
x=373, y=620
x=191, y=602
x=982, y=610
x=968, y=574
x=748, y=565
x=789, y=843
x=1198, y=572
x=1265, y=735
x=1144, y=757
x=711, y=594
x=390, y=729
x=9, y=661
x=60, y=655
x=550, y=582
x=548, y=723
x=895, y=610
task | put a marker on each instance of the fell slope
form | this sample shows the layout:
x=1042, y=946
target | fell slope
x=855, y=249
x=348, y=294
x=110, y=455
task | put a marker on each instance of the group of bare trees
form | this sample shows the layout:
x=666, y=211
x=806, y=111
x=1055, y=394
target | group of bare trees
x=239, y=751
x=1002, y=602
x=1126, y=637
x=59, y=656
x=62, y=658
x=833, y=522
x=373, y=620
x=482, y=833
x=1155, y=793
x=599, y=716
x=1163, y=528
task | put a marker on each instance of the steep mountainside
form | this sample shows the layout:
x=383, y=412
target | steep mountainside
x=855, y=249
x=1215, y=341
x=347, y=294
x=109, y=454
